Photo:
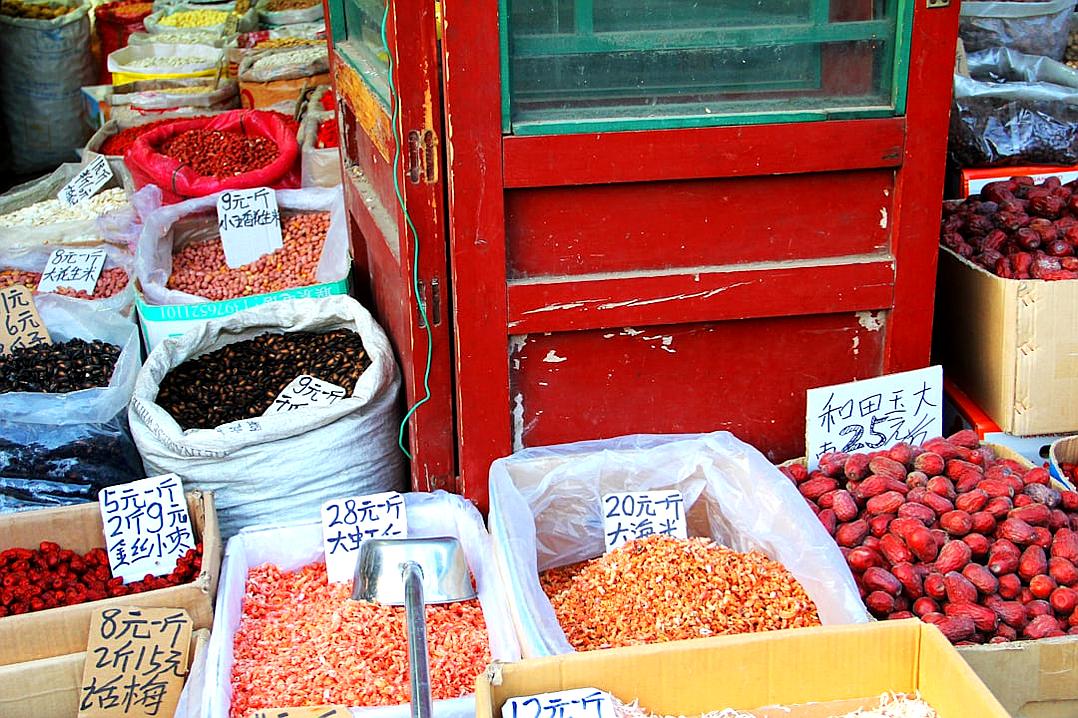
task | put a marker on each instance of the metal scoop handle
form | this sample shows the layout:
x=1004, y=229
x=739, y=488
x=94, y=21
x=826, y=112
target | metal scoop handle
x=416, y=617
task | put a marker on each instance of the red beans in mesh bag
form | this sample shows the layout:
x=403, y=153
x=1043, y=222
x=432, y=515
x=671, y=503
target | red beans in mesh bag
x=233, y=150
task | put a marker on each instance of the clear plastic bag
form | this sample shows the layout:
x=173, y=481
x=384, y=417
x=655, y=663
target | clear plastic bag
x=1014, y=109
x=292, y=546
x=1036, y=28
x=58, y=449
x=277, y=18
x=545, y=512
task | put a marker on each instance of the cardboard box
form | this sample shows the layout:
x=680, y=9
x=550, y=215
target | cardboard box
x=49, y=687
x=1011, y=344
x=61, y=631
x=1031, y=679
x=834, y=669
x=1063, y=451
x=961, y=412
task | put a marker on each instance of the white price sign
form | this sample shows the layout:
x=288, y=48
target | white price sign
x=630, y=515
x=76, y=269
x=250, y=224
x=147, y=527
x=305, y=390
x=574, y=703
x=86, y=183
x=346, y=523
x=874, y=413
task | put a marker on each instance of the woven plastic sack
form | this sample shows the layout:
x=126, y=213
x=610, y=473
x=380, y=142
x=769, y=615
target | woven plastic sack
x=275, y=18
x=1014, y=109
x=280, y=467
x=169, y=228
x=256, y=66
x=292, y=546
x=1035, y=28
x=43, y=66
x=35, y=259
x=545, y=512
x=113, y=227
x=179, y=182
x=58, y=449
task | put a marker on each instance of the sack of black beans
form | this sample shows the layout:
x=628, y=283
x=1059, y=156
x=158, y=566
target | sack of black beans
x=63, y=409
x=212, y=406
x=1014, y=109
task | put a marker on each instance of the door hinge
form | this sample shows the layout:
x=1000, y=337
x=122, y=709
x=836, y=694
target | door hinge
x=422, y=156
x=430, y=298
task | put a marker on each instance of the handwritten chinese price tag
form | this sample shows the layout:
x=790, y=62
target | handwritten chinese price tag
x=20, y=324
x=250, y=224
x=147, y=527
x=636, y=514
x=575, y=703
x=76, y=269
x=86, y=183
x=346, y=523
x=305, y=712
x=136, y=660
x=305, y=390
x=874, y=413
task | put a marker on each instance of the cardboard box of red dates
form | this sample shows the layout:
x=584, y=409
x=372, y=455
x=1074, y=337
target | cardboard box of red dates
x=1006, y=325
x=70, y=541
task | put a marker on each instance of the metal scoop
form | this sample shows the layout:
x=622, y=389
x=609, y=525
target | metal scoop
x=413, y=572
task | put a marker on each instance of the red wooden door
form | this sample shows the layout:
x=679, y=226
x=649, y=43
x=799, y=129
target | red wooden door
x=682, y=280
x=400, y=259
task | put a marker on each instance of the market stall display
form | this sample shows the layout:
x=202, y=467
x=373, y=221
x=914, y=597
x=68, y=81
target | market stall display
x=158, y=61
x=79, y=529
x=1037, y=28
x=44, y=62
x=185, y=280
x=277, y=78
x=1014, y=109
x=260, y=468
x=113, y=291
x=353, y=650
x=982, y=547
x=275, y=13
x=115, y=22
x=60, y=443
x=287, y=36
x=1017, y=229
x=233, y=150
x=546, y=513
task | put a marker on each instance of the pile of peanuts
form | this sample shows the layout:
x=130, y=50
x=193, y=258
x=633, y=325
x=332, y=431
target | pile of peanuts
x=50, y=211
x=216, y=153
x=110, y=283
x=302, y=642
x=199, y=267
x=194, y=18
x=660, y=588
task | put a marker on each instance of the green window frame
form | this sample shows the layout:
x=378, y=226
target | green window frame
x=355, y=42
x=803, y=32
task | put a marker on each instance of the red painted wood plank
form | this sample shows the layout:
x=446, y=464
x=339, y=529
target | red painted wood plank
x=742, y=291
x=470, y=50
x=919, y=189
x=747, y=376
x=637, y=226
x=704, y=152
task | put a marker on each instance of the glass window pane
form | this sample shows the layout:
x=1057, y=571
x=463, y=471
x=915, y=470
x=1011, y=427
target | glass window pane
x=619, y=59
x=362, y=44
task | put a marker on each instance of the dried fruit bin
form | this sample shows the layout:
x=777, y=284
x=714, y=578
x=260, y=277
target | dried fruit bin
x=1010, y=344
x=545, y=512
x=1063, y=451
x=51, y=686
x=165, y=312
x=60, y=631
x=1020, y=673
x=840, y=667
x=292, y=546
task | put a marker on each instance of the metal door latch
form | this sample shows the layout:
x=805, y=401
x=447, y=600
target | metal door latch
x=422, y=157
x=936, y=3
